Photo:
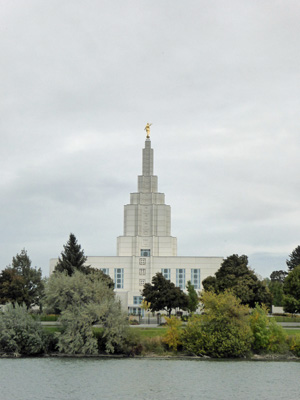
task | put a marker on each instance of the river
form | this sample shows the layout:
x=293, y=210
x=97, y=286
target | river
x=149, y=379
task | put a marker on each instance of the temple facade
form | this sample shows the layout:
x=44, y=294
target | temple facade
x=147, y=246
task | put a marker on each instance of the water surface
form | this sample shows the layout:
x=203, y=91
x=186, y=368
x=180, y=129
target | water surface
x=89, y=379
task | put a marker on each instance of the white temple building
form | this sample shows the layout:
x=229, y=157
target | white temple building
x=146, y=246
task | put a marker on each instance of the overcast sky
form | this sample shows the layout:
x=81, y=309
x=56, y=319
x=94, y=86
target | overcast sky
x=219, y=80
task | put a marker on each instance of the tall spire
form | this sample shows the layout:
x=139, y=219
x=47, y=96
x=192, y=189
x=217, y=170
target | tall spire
x=147, y=159
x=147, y=219
x=147, y=182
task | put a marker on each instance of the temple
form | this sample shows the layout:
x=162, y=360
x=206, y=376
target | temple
x=147, y=246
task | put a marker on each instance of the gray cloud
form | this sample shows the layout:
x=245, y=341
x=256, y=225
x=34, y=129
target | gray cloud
x=220, y=82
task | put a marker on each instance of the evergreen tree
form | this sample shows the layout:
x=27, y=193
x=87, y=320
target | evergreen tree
x=72, y=258
x=20, y=283
x=294, y=259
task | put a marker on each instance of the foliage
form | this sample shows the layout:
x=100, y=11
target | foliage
x=291, y=287
x=83, y=300
x=268, y=336
x=164, y=295
x=276, y=289
x=294, y=344
x=193, y=298
x=172, y=336
x=20, y=283
x=222, y=331
x=275, y=285
x=234, y=274
x=72, y=258
x=153, y=345
x=62, y=290
x=19, y=332
x=294, y=259
x=77, y=336
x=278, y=276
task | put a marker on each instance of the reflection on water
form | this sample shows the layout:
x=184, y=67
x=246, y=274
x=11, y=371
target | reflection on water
x=89, y=379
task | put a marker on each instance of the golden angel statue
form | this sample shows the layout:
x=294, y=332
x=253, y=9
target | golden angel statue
x=147, y=129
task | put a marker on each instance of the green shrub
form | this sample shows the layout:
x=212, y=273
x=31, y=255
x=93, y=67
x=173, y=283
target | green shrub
x=268, y=335
x=294, y=344
x=50, y=341
x=19, y=332
x=172, y=336
x=222, y=331
x=259, y=326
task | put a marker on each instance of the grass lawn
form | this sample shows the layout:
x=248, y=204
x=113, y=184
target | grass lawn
x=151, y=332
x=51, y=329
x=291, y=331
x=143, y=332
x=278, y=318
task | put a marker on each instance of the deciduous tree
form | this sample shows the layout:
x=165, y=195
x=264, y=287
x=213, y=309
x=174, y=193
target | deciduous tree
x=83, y=300
x=20, y=283
x=193, y=298
x=235, y=274
x=291, y=287
x=275, y=285
x=164, y=295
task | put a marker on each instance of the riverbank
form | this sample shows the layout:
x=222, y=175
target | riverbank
x=169, y=356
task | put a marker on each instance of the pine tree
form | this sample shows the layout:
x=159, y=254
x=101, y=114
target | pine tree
x=294, y=259
x=72, y=258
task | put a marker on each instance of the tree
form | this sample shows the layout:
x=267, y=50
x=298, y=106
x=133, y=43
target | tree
x=235, y=274
x=164, y=295
x=294, y=259
x=193, y=298
x=20, y=283
x=278, y=276
x=275, y=285
x=72, y=258
x=222, y=330
x=83, y=300
x=291, y=288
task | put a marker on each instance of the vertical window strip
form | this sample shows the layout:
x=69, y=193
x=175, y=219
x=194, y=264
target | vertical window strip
x=119, y=278
x=195, y=278
x=180, y=278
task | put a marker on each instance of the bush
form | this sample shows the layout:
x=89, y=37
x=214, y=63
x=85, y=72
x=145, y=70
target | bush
x=153, y=345
x=268, y=335
x=50, y=342
x=294, y=344
x=222, y=331
x=172, y=336
x=19, y=332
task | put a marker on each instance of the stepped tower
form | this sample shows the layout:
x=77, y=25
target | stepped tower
x=147, y=219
